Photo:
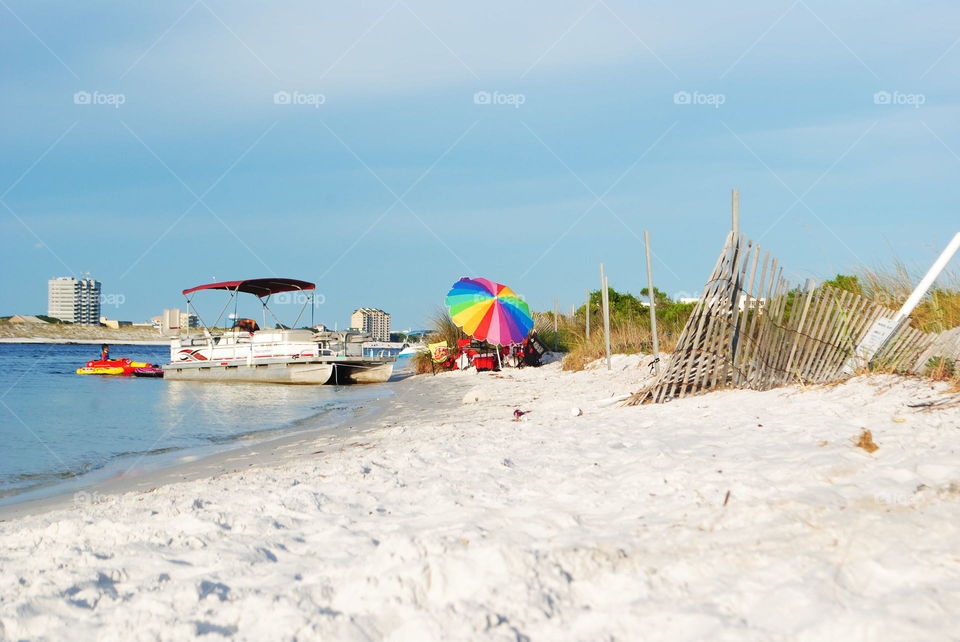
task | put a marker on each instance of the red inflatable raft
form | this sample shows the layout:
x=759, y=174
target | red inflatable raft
x=111, y=367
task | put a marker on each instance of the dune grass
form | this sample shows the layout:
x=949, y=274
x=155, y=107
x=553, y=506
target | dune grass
x=442, y=328
x=626, y=337
x=891, y=286
x=937, y=312
x=630, y=331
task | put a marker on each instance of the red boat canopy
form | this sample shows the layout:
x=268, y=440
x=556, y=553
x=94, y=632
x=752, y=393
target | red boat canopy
x=258, y=287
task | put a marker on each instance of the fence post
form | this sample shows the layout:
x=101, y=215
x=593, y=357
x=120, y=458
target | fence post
x=735, y=211
x=556, y=327
x=587, y=313
x=653, y=306
x=605, y=298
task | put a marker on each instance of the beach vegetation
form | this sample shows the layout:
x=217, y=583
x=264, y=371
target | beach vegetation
x=630, y=320
x=937, y=312
x=441, y=328
x=891, y=286
x=630, y=331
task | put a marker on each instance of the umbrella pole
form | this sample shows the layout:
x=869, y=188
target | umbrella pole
x=499, y=364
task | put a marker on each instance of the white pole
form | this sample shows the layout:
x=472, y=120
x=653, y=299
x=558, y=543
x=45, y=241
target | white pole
x=653, y=306
x=605, y=298
x=927, y=281
x=883, y=329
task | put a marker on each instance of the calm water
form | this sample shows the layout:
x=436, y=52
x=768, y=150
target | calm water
x=56, y=426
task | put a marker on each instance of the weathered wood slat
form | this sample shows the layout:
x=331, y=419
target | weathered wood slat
x=750, y=358
x=812, y=343
x=835, y=355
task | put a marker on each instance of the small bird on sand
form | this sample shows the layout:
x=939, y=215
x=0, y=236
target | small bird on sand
x=519, y=413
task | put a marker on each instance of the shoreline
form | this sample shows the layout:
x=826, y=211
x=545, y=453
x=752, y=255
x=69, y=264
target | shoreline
x=191, y=464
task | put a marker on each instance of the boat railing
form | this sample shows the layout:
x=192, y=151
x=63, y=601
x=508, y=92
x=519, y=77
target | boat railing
x=243, y=345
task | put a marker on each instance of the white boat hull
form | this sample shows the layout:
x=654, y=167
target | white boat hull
x=349, y=373
x=302, y=372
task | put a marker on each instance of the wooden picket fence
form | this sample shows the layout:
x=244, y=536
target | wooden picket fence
x=752, y=329
x=913, y=351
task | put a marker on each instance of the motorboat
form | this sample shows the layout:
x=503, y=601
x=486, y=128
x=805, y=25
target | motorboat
x=405, y=357
x=245, y=352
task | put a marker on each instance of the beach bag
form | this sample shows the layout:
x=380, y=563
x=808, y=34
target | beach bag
x=533, y=350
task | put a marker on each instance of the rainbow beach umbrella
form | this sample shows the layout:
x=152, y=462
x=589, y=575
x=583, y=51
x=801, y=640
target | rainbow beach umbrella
x=489, y=311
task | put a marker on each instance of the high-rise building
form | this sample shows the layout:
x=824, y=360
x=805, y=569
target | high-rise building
x=372, y=321
x=89, y=301
x=77, y=301
x=62, y=298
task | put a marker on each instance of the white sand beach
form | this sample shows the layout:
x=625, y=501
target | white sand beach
x=735, y=515
x=89, y=342
x=79, y=334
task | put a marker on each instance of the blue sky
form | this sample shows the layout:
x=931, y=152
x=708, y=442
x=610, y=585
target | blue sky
x=385, y=177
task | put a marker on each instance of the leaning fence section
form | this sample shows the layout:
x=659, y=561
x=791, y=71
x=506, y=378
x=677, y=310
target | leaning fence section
x=752, y=329
x=911, y=351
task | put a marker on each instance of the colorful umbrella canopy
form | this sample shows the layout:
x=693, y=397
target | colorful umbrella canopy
x=489, y=311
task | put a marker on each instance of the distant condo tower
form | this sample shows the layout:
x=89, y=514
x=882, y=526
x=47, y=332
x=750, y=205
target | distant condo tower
x=373, y=321
x=77, y=301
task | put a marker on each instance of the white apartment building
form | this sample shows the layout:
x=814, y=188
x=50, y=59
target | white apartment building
x=77, y=301
x=175, y=316
x=373, y=321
